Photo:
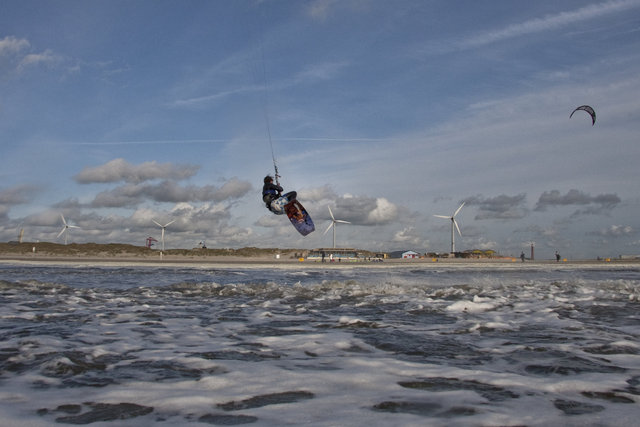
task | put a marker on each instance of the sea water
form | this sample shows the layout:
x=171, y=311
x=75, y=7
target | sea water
x=476, y=345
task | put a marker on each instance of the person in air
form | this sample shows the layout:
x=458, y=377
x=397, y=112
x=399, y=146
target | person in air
x=273, y=198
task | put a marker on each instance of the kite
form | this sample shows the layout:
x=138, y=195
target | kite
x=589, y=110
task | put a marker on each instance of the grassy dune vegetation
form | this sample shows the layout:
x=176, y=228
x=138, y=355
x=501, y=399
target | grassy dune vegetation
x=124, y=250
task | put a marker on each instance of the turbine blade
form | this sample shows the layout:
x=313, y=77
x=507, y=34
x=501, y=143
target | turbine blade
x=328, y=228
x=331, y=213
x=442, y=216
x=457, y=228
x=72, y=226
x=169, y=223
x=62, y=231
x=342, y=222
x=458, y=210
x=63, y=221
x=156, y=222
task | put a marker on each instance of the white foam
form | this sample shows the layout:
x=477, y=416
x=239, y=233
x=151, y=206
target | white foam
x=470, y=307
x=351, y=337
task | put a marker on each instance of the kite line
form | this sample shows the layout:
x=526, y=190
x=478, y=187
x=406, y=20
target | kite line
x=265, y=107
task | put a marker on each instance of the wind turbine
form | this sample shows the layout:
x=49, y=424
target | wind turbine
x=454, y=224
x=334, y=221
x=65, y=229
x=20, y=233
x=163, y=227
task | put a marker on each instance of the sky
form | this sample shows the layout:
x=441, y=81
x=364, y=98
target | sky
x=115, y=114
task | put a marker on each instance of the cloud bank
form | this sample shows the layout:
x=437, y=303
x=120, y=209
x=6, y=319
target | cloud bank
x=118, y=170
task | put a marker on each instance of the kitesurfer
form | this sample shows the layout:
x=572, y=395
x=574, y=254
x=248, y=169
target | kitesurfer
x=273, y=198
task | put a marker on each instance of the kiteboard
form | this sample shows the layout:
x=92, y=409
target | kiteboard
x=297, y=214
x=277, y=206
x=299, y=217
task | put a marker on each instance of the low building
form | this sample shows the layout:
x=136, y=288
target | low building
x=404, y=254
x=333, y=255
x=410, y=255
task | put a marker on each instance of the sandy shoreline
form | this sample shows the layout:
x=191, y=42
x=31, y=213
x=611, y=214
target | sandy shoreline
x=119, y=254
x=272, y=262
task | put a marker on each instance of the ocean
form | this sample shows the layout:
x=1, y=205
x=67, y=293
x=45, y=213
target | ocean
x=320, y=344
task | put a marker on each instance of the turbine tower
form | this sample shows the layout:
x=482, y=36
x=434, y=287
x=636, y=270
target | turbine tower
x=163, y=227
x=454, y=224
x=334, y=221
x=65, y=229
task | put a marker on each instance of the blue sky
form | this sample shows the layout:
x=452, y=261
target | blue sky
x=116, y=113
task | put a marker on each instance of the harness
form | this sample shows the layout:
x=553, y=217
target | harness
x=269, y=194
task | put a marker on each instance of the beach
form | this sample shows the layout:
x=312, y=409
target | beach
x=94, y=254
x=289, y=262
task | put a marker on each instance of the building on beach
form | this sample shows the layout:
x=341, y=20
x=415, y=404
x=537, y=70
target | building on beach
x=343, y=255
x=404, y=254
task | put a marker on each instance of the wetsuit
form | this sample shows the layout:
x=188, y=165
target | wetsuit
x=270, y=192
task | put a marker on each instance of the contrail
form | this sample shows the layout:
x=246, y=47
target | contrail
x=149, y=142
x=335, y=139
x=224, y=141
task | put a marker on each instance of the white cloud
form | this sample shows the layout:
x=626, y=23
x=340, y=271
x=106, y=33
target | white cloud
x=616, y=231
x=319, y=9
x=120, y=170
x=269, y=221
x=318, y=194
x=206, y=100
x=549, y=22
x=383, y=213
x=47, y=58
x=408, y=236
x=499, y=207
x=602, y=203
x=11, y=45
x=17, y=195
x=320, y=71
x=363, y=210
x=170, y=192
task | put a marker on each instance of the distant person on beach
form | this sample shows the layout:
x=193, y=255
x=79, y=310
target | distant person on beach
x=522, y=256
x=557, y=257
